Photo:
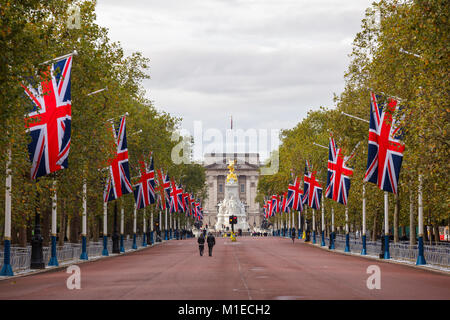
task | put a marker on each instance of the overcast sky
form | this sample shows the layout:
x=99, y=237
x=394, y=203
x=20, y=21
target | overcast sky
x=265, y=62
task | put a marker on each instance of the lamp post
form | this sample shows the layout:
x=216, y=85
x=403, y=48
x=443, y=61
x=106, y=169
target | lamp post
x=84, y=255
x=364, y=250
x=332, y=230
x=37, y=256
x=322, y=243
x=115, y=235
x=134, y=246
x=347, y=231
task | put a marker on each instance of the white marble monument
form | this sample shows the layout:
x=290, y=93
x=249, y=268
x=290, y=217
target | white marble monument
x=231, y=205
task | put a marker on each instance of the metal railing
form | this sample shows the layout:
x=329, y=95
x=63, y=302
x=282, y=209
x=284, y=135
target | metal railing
x=438, y=255
x=21, y=257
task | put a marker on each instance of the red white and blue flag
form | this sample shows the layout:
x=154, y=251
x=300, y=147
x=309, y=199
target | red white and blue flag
x=312, y=189
x=192, y=205
x=176, y=201
x=119, y=173
x=187, y=207
x=284, y=203
x=294, y=196
x=49, y=122
x=275, y=206
x=266, y=209
x=144, y=190
x=385, y=154
x=338, y=177
x=163, y=189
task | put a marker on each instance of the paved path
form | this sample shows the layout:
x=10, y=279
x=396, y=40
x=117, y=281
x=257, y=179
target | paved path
x=252, y=268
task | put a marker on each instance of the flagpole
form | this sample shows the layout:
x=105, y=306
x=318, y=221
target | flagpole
x=122, y=248
x=305, y=225
x=314, y=225
x=170, y=225
x=6, y=268
x=115, y=235
x=144, y=230
x=166, y=234
x=151, y=228
x=386, y=225
x=178, y=227
x=332, y=229
x=160, y=223
x=105, y=229
x=134, y=246
x=322, y=243
x=364, y=249
x=293, y=221
x=420, y=256
x=289, y=225
x=347, y=231
x=74, y=53
x=299, y=224
x=83, y=255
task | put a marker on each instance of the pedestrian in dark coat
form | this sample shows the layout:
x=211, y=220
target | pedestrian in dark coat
x=201, y=243
x=211, y=242
x=293, y=235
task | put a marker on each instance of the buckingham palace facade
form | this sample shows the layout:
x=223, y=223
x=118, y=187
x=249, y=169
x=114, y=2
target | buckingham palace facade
x=247, y=171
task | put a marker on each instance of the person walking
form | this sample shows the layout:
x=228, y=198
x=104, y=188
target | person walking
x=293, y=235
x=201, y=243
x=211, y=242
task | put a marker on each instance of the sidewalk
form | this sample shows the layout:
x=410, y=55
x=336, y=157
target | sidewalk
x=65, y=264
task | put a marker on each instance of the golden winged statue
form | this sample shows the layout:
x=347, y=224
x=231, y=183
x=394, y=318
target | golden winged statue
x=231, y=175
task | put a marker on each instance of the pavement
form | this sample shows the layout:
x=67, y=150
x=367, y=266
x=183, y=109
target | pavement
x=260, y=268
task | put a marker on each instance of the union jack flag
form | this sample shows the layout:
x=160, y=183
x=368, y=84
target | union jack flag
x=187, y=207
x=266, y=209
x=275, y=207
x=338, y=177
x=192, y=205
x=385, y=154
x=294, y=196
x=163, y=189
x=119, y=173
x=200, y=211
x=176, y=201
x=144, y=190
x=49, y=123
x=284, y=203
x=312, y=189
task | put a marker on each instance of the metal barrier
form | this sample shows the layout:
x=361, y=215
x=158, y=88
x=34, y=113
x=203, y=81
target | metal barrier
x=21, y=257
x=438, y=255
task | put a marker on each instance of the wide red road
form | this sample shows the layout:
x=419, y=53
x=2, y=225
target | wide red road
x=252, y=268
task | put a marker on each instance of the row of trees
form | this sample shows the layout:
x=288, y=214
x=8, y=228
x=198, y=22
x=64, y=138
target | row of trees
x=402, y=50
x=35, y=31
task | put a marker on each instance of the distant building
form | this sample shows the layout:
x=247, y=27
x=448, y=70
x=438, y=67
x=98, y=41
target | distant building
x=247, y=170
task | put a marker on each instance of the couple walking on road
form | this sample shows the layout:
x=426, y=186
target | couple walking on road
x=211, y=240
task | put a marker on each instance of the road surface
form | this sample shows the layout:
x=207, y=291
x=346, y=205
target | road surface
x=250, y=269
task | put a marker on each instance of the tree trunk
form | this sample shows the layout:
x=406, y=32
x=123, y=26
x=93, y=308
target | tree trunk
x=23, y=235
x=374, y=231
x=46, y=221
x=74, y=227
x=412, y=226
x=436, y=233
x=62, y=225
x=396, y=212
